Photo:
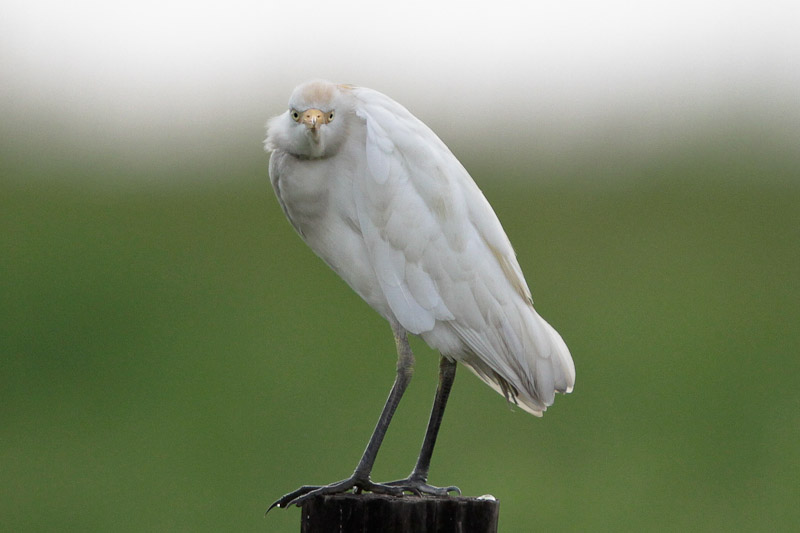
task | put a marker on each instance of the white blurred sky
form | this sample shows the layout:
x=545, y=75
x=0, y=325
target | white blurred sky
x=565, y=67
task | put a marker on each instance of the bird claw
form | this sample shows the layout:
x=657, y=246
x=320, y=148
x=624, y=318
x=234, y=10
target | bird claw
x=306, y=492
x=287, y=499
x=420, y=487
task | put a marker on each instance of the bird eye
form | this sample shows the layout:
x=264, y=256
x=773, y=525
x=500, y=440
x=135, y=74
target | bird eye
x=330, y=116
x=295, y=115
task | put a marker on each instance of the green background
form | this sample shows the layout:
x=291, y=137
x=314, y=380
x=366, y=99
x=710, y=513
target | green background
x=174, y=358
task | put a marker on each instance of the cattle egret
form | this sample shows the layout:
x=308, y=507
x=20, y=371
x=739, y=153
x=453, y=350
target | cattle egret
x=381, y=199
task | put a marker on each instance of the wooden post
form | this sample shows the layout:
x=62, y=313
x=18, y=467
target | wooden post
x=374, y=513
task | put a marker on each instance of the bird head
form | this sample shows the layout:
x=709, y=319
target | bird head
x=313, y=126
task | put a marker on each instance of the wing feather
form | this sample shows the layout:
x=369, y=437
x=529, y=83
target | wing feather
x=443, y=260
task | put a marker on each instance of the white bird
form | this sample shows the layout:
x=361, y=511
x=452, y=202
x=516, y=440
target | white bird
x=381, y=199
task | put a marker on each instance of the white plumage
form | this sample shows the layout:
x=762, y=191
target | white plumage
x=378, y=196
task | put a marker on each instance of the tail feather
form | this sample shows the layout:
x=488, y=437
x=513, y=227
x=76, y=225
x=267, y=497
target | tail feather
x=529, y=379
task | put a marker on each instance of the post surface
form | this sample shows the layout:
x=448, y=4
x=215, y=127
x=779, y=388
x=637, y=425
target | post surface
x=373, y=513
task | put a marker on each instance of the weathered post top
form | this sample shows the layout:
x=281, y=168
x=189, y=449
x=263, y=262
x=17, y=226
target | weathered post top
x=373, y=513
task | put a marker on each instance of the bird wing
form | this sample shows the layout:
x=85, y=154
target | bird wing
x=419, y=199
x=399, y=204
x=441, y=254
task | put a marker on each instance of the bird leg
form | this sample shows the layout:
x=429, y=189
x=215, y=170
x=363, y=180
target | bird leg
x=417, y=482
x=360, y=480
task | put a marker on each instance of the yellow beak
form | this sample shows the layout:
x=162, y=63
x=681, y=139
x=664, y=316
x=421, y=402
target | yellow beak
x=313, y=118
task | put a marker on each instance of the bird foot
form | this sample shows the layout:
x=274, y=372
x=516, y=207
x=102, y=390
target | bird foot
x=356, y=484
x=420, y=486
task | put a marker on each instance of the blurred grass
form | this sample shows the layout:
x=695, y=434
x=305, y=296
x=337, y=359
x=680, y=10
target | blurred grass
x=174, y=358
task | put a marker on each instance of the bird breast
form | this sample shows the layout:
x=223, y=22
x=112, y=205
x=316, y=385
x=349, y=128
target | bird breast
x=317, y=198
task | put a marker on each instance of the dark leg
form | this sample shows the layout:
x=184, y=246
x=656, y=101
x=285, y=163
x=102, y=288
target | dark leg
x=418, y=480
x=360, y=479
